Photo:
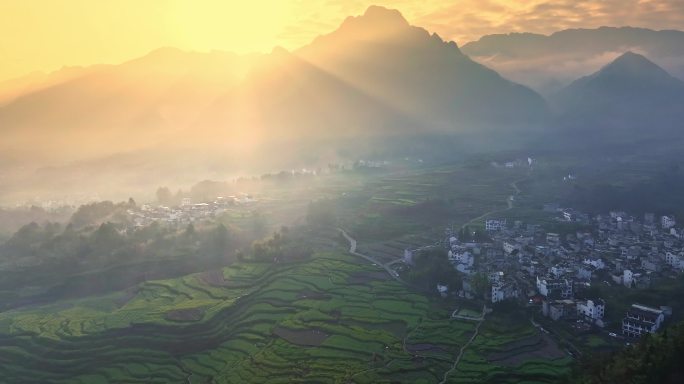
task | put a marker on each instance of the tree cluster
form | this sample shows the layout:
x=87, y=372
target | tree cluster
x=654, y=359
x=432, y=267
x=283, y=246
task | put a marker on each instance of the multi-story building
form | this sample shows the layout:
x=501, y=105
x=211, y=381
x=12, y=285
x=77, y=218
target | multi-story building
x=667, y=222
x=553, y=238
x=627, y=278
x=676, y=261
x=554, y=288
x=559, y=309
x=641, y=319
x=495, y=224
x=501, y=291
x=509, y=247
x=592, y=311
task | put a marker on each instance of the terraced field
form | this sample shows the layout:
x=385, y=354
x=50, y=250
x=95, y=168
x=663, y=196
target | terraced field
x=508, y=350
x=330, y=319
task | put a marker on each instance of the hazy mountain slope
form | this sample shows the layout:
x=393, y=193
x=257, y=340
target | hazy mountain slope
x=36, y=81
x=375, y=74
x=128, y=106
x=374, y=82
x=420, y=74
x=547, y=63
x=629, y=93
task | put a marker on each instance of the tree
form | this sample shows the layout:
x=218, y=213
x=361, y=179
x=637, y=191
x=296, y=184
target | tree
x=217, y=243
x=480, y=283
x=105, y=240
x=432, y=267
x=653, y=359
x=164, y=196
x=92, y=213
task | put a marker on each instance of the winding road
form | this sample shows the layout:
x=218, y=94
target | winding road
x=352, y=250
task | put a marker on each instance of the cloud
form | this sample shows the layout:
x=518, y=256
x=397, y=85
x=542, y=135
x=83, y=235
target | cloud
x=468, y=20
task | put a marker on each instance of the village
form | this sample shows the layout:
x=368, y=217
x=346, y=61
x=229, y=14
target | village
x=186, y=213
x=556, y=271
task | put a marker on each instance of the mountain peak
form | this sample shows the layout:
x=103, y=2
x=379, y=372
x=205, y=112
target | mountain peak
x=634, y=65
x=384, y=15
x=377, y=18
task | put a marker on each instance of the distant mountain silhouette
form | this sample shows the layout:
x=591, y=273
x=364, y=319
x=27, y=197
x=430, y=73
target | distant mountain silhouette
x=375, y=74
x=35, y=81
x=176, y=116
x=549, y=62
x=117, y=108
x=630, y=92
x=419, y=74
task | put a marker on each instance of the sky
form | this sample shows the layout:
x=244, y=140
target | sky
x=44, y=35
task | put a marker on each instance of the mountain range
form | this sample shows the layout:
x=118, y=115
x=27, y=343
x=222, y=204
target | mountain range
x=374, y=81
x=374, y=75
x=549, y=62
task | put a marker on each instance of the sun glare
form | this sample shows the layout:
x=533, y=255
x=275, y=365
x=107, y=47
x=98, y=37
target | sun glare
x=239, y=26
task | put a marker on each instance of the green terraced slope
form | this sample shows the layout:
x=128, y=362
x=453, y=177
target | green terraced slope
x=325, y=320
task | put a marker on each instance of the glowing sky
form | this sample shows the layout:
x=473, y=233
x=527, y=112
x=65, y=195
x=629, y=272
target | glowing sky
x=47, y=34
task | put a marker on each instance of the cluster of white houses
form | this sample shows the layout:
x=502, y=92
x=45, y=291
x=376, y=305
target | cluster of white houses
x=187, y=212
x=524, y=262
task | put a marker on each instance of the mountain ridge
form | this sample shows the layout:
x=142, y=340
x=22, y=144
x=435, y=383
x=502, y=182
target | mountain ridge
x=355, y=91
x=169, y=91
x=547, y=63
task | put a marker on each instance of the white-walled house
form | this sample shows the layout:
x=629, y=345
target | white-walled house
x=676, y=261
x=497, y=293
x=501, y=291
x=509, y=247
x=443, y=290
x=596, y=263
x=495, y=224
x=627, y=278
x=592, y=311
x=667, y=222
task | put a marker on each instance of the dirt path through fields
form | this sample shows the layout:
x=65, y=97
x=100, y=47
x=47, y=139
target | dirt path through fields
x=463, y=348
